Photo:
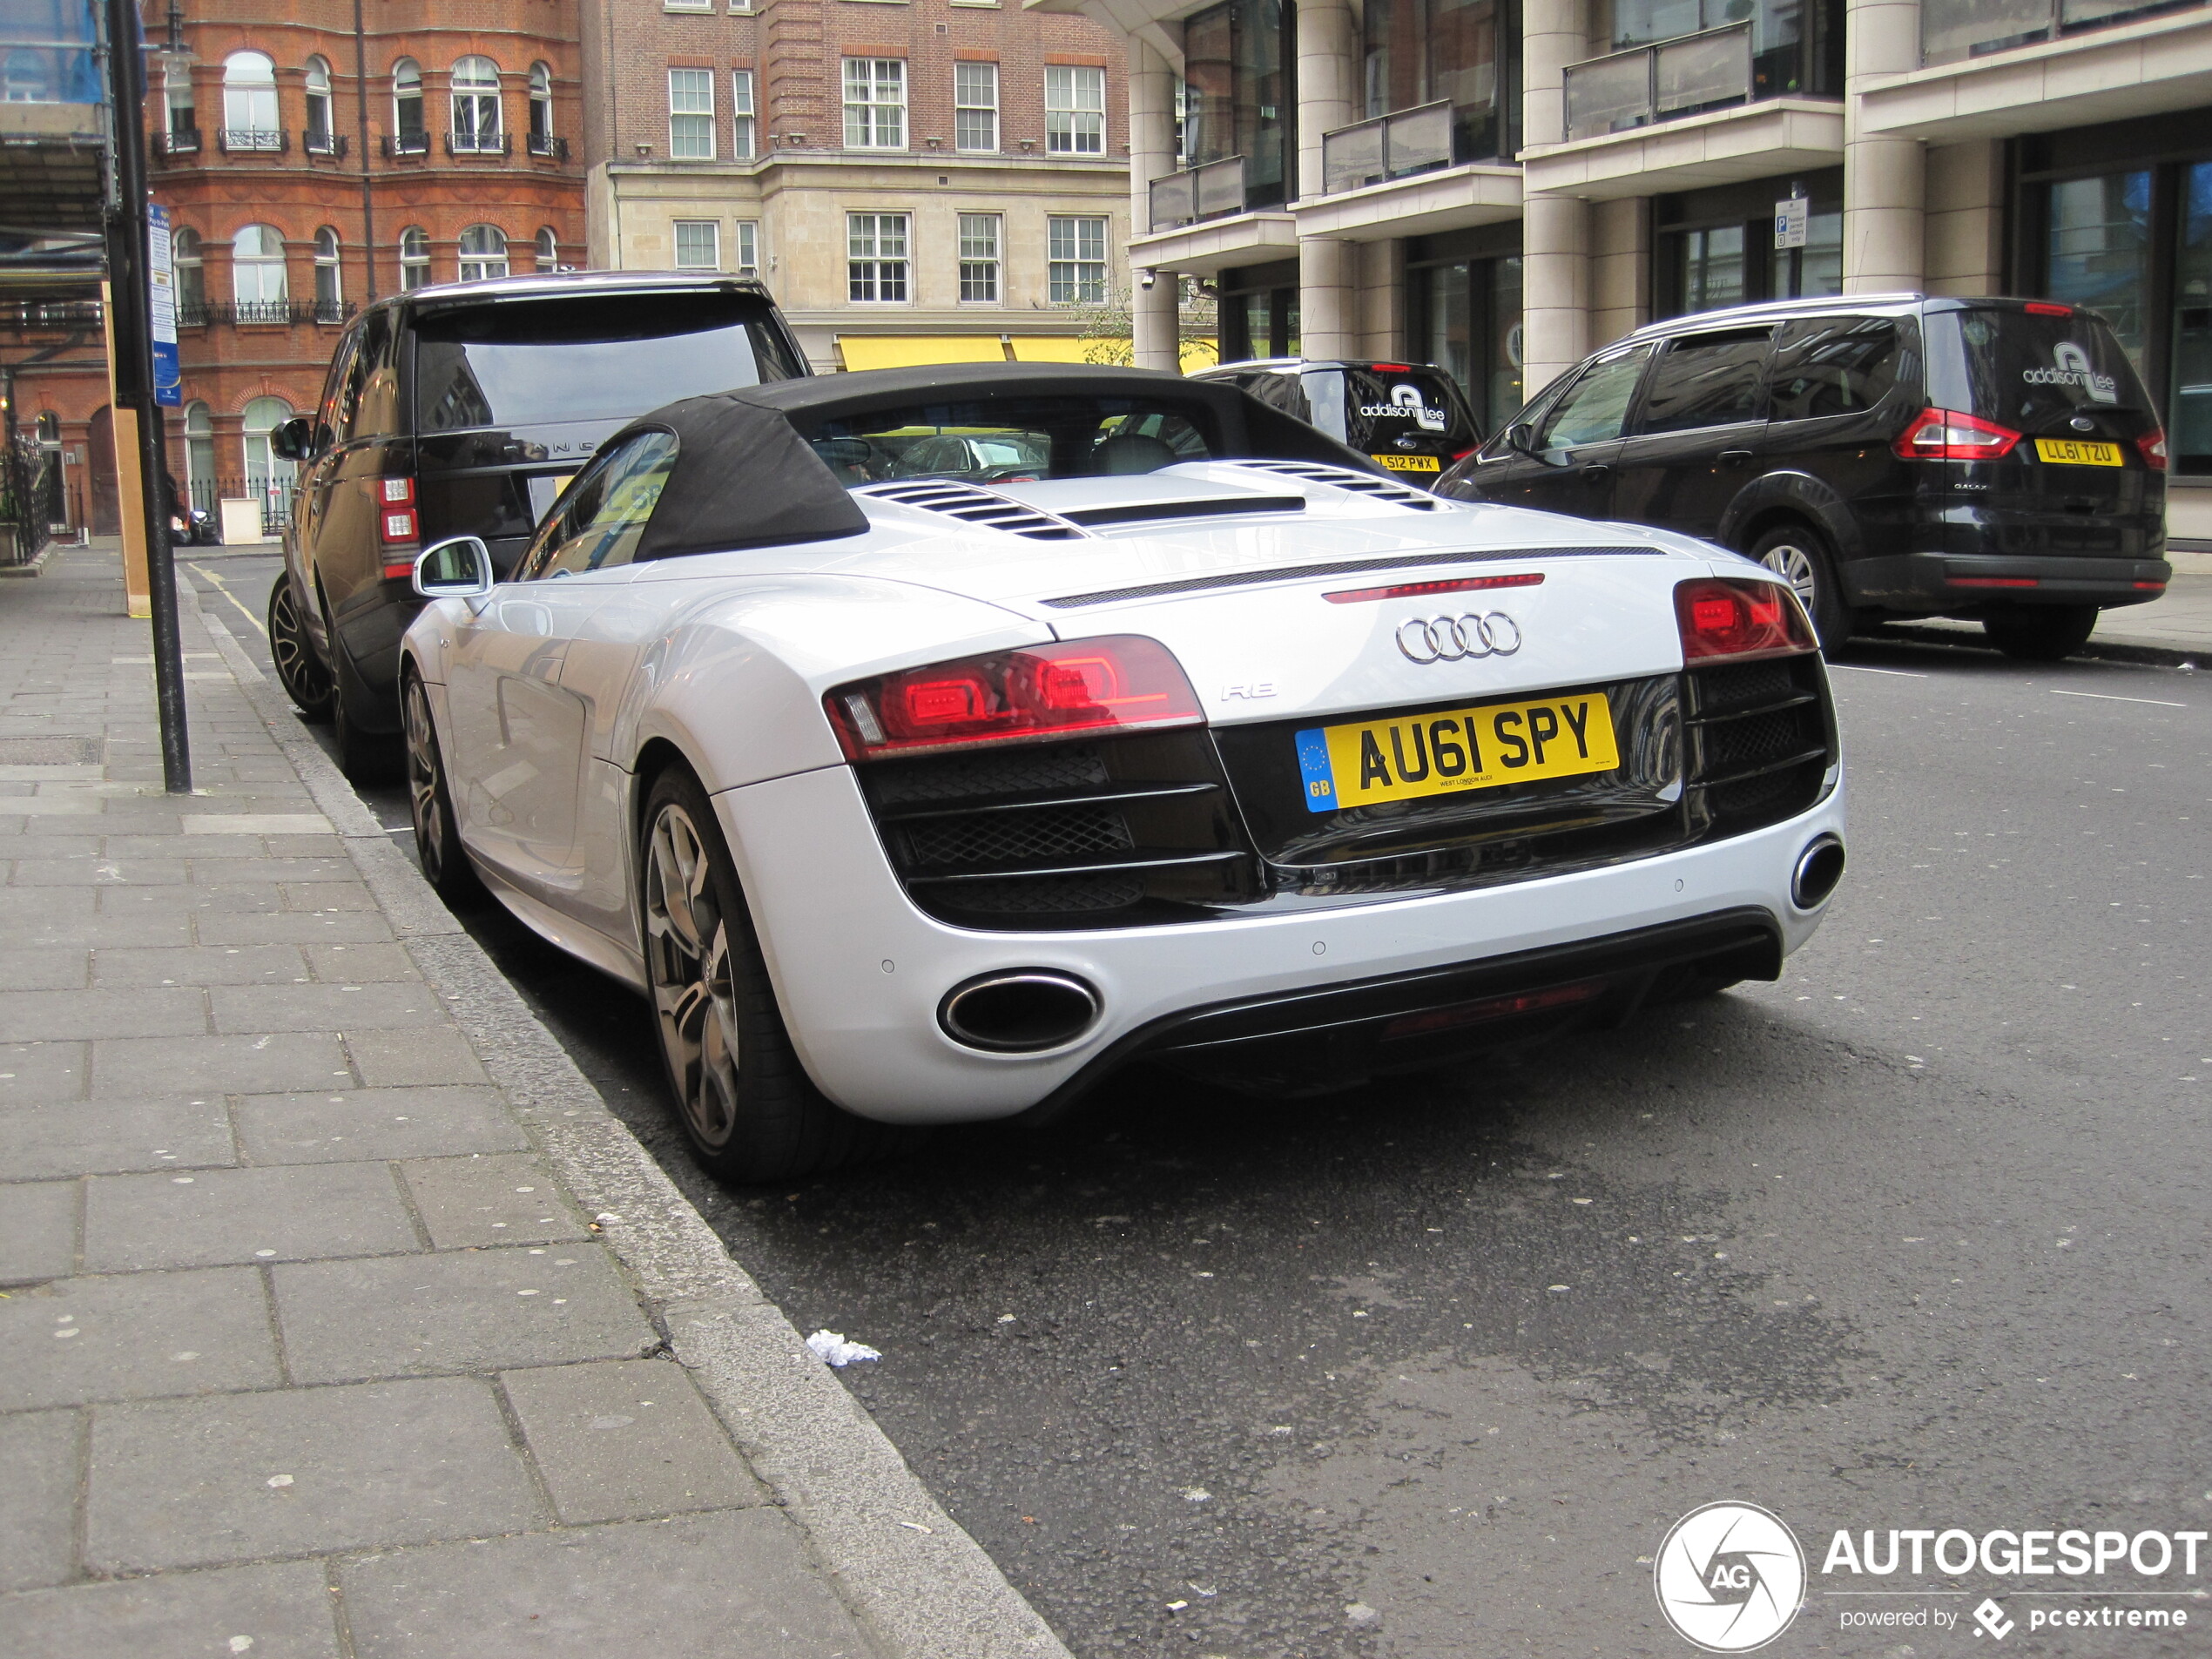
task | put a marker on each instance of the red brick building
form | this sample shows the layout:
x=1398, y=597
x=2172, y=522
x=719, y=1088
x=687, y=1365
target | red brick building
x=309, y=166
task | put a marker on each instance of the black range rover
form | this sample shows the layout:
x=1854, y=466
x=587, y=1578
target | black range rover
x=1893, y=456
x=462, y=410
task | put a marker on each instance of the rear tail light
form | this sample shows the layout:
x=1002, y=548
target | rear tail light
x=1122, y=683
x=1739, y=620
x=2153, y=445
x=397, y=526
x=1944, y=435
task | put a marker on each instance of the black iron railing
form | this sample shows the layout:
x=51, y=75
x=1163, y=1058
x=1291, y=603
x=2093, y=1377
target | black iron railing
x=251, y=141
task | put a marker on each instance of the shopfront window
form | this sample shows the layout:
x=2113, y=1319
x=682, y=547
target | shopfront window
x=1465, y=52
x=1260, y=312
x=2190, y=439
x=1717, y=247
x=1468, y=323
x=1242, y=94
x=2099, y=249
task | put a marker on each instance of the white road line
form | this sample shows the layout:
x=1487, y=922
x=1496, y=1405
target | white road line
x=1857, y=667
x=2104, y=697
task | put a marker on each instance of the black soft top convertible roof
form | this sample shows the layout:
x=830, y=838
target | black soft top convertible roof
x=746, y=477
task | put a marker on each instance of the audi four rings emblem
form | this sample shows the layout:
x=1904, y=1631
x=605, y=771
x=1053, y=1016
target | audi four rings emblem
x=1456, y=640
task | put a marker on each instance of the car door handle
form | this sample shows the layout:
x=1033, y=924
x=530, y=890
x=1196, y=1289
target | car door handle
x=1736, y=457
x=1596, y=472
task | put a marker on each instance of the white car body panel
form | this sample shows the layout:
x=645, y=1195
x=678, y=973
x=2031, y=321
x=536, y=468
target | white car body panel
x=547, y=693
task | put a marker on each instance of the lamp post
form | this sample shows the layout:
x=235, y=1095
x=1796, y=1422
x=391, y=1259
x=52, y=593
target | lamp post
x=131, y=330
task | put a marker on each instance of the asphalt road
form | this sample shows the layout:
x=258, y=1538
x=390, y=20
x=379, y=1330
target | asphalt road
x=1914, y=1238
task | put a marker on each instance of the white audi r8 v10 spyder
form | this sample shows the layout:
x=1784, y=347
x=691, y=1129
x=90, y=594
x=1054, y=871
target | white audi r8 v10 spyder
x=919, y=781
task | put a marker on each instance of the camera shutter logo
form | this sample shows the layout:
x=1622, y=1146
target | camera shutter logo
x=1730, y=1577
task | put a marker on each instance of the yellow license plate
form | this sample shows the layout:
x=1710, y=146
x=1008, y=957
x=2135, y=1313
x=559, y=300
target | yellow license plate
x=1403, y=758
x=2074, y=453
x=1409, y=463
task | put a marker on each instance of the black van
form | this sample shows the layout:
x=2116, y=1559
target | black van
x=460, y=410
x=1409, y=418
x=1893, y=456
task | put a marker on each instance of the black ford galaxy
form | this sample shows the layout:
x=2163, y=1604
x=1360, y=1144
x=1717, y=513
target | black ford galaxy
x=1893, y=456
x=460, y=410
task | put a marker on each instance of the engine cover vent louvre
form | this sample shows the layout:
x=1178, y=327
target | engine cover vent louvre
x=972, y=505
x=1346, y=478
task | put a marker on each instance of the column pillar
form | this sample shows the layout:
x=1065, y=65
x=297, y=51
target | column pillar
x=1328, y=270
x=1556, y=284
x=1884, y=178
x=1554, y=33
x=1328, y=281
x=1154, y=320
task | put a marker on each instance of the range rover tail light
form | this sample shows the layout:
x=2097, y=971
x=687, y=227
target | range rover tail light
x=2152, y=446
x=1945, y=435
x=1740, y=620
x=1124, y=683
x=398, y=528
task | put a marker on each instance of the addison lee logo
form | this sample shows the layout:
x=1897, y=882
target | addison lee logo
x=1730, y=1577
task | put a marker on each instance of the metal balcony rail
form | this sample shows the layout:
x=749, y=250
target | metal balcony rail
x=243, y=141
x=546, y=143
x=323, y=144
x=1659, y=83
x=1196, y=193
x=479, y=144
x=177, y=141
x=1953, y=30
x=198, y=315
x=408, y=142
x=1387, y=146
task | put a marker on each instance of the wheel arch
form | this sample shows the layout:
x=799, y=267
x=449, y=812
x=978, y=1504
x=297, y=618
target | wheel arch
x=1790, y=497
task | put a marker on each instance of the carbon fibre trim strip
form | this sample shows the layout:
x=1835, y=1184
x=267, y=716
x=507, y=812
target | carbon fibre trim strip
x=1344, y=567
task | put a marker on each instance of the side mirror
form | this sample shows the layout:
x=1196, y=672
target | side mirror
x=458, y=568
x=1521, y=437
x=295, y=440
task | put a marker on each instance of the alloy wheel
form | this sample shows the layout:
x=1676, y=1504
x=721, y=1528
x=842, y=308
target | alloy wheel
x=305, y=679
x=1797, y=566
x=687, y=950
x=422, y=803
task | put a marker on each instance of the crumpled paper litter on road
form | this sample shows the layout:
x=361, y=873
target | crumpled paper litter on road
x=832, y=1348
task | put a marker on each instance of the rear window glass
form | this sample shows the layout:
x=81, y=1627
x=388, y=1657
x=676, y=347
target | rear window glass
x=1706, y=380
x=1834, y=366
x=533, y=362
x=1381, y=405
x=2024, y=370
x=1015, y=440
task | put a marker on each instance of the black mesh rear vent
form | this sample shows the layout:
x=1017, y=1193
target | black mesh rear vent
x=1048, y=895
x=1743, y=685
x=1753, y=739
x=1034, y=837
x=1760, y=743
x=1007, y=771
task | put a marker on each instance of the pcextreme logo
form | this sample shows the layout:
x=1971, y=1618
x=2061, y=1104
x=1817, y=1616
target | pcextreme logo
x=1730, y=1577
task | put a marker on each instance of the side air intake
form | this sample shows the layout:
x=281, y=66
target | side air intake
x=974, y=506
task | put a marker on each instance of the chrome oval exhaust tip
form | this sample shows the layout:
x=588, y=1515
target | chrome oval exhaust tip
x=1019, y=1010
x=1820, y=866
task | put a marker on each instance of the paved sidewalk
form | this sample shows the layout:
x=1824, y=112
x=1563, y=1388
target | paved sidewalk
x=337, y=1316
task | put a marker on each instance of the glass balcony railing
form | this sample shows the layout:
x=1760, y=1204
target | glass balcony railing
x=1662, y=82
x=1388, y=146
x=1211, y=192
x=1953, y=30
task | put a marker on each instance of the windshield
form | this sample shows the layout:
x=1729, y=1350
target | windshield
x=2028, y=371
x=1000, y=441
x=530, y=362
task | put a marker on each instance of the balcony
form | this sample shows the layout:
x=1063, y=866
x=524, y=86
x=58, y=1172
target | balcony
x=1211, y=192
x=479, y=144
x=546, y=145
x=177, y=141
x=1697, y=72
x=1389, y=146
x=263, y=313
x=251, y=141
x=318, y=143
x=408, y=142
x=1953, y=31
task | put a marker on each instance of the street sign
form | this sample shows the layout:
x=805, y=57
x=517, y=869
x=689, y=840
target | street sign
x=161, y=284
x=1792, y=219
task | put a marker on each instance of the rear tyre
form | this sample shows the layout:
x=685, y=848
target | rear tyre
x=1800, y=556
x=744, y=1101
x=301, y=672
x=437, y=832
x=2040, y=633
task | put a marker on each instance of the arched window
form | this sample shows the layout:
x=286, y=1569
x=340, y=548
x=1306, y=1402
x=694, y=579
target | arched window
x=329, y=291
x=250, y=103
x=476, y=105
x=24, y=79
x=484, y=253
x=409, y=135
x=257, y=274
x=541, y=110
x=263, y=416
x=321, y=129
x=549, y=248
x=414, y=257
x=192, y=274
x=199, y=456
